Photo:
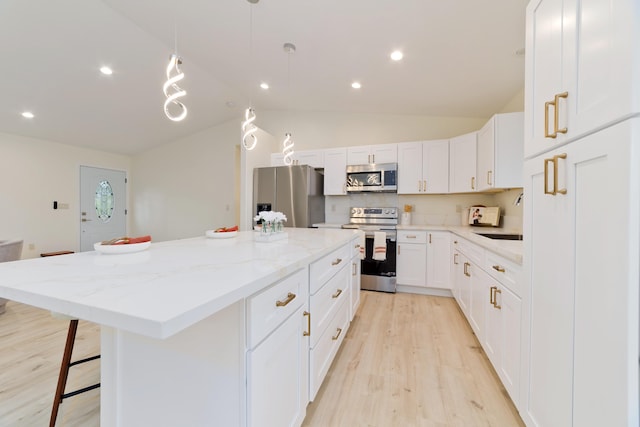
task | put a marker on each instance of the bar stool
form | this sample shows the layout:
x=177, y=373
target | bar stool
x=64, y=369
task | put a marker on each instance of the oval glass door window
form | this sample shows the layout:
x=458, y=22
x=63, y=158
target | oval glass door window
x=104, y=201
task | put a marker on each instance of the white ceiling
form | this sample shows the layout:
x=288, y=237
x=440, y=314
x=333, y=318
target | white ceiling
x=459, y=61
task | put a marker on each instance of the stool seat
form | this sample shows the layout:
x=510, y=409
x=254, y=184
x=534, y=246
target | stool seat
x=64, y=369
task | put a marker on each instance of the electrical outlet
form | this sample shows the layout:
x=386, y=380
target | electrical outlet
x=31, y=247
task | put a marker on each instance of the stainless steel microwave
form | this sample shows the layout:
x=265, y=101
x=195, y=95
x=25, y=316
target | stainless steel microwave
x=376, y=177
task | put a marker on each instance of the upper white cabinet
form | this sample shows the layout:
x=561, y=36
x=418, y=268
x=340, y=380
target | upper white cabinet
x=335, y=171
x=423, y=167
x=462, y=163
x=500, y=152
x=581, y=58
x=365, y=154
x=313, y=158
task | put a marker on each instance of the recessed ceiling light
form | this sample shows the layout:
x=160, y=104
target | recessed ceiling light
x=264, y=85
x=28, y=115
x=396, y=55
x=356, y=85
x=106, y=71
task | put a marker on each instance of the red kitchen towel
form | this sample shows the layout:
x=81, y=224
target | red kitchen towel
x=379, y=246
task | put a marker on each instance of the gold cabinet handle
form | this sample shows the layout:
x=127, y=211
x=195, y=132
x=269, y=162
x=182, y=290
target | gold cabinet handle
x=337, y=261
x=495, y=299
x=429, y=237
x=473, y=182
x=354, y=268
x=337, y=294
x=492, y=295
x=307, y=333
x=398, y=249
x=339, y=330
x=412, y=236
x=489, y=173
x=419, y=186
x=498, y=268
x=546, y=119
x=557, y=190
x=466, y=271
x=455, y=259
x=556, y=115
x=546, y=177
x=290, y=298
x=424, y=185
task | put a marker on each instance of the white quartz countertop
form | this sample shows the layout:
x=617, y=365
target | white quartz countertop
x=510, y=249
x=168, y=287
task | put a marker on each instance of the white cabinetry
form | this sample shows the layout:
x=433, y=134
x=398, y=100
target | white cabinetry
x=356, y=265
x=438, y=256
x=500, y=152
x=365, y=154
x=313, y=158
x=582, y=63
x=277, y=362
x=335, y=171
x=330, y=280
x=462, y=163
x=582, y=281
x=486, y=287
x=423, y=167
x=411, y=259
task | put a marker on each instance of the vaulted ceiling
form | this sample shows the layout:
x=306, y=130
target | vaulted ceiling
x=459, y=60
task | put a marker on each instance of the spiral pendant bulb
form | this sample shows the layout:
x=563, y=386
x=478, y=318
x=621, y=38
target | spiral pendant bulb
x=287, y=149
x=249, y=140
x=177, y=92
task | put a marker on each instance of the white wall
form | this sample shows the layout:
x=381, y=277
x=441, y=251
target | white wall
x=34, y=173
x=193, y=184
x=313, y=130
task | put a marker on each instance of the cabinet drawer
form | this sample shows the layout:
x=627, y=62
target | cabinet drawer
x=323, y=269
x=322, y=354
x=355, y=246
x=269, y=308
x=327, y=301
x=506, y=272
x=472, y=251
x=409, y=236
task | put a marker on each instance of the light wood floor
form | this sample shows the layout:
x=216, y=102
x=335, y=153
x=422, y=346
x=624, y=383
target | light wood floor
x=407, y=360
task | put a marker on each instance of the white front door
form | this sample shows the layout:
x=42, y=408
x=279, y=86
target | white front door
x=102, y=205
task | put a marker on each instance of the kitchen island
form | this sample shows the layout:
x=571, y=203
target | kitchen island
x=175, y=319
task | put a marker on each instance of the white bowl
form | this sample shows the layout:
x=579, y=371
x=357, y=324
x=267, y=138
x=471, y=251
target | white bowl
x=127, y=248
x=220, y=234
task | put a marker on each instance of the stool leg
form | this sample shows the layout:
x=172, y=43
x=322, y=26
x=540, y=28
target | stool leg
x=64, y=371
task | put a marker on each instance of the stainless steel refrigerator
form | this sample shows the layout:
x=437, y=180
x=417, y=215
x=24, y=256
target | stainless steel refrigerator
x=297, y=191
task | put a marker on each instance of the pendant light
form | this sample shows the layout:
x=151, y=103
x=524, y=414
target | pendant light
x=287, y=144
x=171, y=89
x=249, y=139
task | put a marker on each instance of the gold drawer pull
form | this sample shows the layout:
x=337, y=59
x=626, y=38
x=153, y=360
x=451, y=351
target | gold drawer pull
x=466, y=271
x=492, y=295
x=337, y=335
x=455, y=259
x=337, y=261
x=495, y=299
x=290, y=298
x=498, y=268
x=412, y=236
x=556, y=103
x=307, y=333
x=337, y=294
x=546, y=119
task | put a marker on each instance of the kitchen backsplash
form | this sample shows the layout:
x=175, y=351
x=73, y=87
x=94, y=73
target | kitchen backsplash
x=431, y=209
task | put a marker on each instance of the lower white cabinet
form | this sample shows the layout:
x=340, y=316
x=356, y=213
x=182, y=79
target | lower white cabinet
x=277, y=359
x=411, y=258
x=582, y=281
x=486, y=286
x=438, y=255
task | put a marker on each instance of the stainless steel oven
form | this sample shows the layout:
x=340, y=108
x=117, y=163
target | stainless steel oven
x=376, y=274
